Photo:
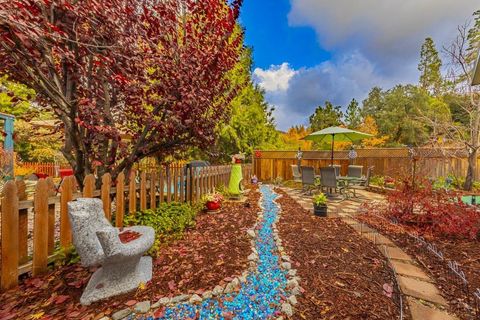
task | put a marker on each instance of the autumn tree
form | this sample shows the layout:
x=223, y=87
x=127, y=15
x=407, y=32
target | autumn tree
x=152, y=71
x=293, y=138
x=429, y=67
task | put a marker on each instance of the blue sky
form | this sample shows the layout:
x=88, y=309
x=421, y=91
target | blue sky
x=310, y=51
x=274, y=41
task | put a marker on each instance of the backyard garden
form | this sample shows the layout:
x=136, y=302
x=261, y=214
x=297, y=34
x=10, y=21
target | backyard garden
x=143, y=175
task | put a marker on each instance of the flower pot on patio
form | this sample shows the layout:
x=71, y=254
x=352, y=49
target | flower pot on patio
x=320, y=205
x=320, y=210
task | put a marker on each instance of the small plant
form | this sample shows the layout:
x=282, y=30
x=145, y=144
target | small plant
x=169, y=220
x=378, y=181
x=320, y=199
x=213, y=197
x=278, y=181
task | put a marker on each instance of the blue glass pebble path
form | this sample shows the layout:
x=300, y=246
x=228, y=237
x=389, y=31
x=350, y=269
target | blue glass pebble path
x=260, y=296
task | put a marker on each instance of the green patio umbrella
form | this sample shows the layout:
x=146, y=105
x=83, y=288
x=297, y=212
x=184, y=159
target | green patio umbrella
x=333, y=134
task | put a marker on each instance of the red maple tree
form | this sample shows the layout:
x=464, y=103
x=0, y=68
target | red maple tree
x=152, y=71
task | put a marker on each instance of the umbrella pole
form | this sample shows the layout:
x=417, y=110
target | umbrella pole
x=333, y=143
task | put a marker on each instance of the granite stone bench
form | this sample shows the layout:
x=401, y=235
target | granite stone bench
x=122, y=265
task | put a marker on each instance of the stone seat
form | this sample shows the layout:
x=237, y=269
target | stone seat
x=123, y=267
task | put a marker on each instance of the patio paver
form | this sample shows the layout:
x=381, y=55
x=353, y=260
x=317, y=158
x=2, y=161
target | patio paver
x=421, y=311
x=421, y=290
x=409, y=270
x=396, y=253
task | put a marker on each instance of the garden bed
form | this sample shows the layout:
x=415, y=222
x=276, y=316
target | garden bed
x=208, y=255
x=342, y=273
x=466, y=253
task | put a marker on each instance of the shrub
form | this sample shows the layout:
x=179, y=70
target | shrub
x=320, y=199
x=437, y=212
x=377, y=181
x=169, y=221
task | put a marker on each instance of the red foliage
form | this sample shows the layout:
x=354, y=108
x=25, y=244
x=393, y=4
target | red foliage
x=128, y=236
x=155, y=71
x=430, y=211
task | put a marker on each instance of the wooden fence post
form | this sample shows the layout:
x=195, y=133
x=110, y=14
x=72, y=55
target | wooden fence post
x=10, y=245
x=51, y=216
x=105, y=195
x=22, y=223
x=169, y=183
x=153, y=190
x=182, y=184
x=175, y=183
x=89, y=186
x=66, y=195
x=120, y=200
x=162, y=185
x=189, y=186
x=132, y=193
x=40, y=228
x=143, y=190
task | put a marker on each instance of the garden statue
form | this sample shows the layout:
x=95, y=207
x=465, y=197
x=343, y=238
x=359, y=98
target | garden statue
x=236, y=176
x=119, y=253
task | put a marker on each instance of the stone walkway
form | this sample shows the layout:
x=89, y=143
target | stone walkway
x=423, y=297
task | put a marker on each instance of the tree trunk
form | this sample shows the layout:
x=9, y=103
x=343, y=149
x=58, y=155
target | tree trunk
x=472, y=169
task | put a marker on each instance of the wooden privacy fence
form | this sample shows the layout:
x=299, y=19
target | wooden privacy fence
x=393, y=162
x=145, y=190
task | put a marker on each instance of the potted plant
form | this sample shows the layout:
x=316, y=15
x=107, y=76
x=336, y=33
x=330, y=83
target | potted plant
x=320, y=205
x=238, y=158
x=213, y=201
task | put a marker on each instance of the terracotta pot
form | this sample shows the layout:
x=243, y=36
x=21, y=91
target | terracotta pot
x=212, y=205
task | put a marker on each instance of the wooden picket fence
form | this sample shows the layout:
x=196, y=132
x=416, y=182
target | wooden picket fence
x=48, y=168
x=145, y=190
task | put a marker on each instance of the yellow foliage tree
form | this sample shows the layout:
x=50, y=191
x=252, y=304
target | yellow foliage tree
x=292, y=139
x=370, y=126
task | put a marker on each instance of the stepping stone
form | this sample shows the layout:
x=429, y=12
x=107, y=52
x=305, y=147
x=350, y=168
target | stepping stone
x=395, y=253
x=423, y=312
x=421, y=290
x=363, y=229
x=382, y=240
x=409, y=270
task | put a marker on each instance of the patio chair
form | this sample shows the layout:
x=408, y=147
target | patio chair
x=337, y=169
x=362, y=184
x=328, y=179
x=308, y=178
x=297, y=176
x=355, y=171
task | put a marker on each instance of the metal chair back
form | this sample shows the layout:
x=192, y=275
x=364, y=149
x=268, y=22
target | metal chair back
x=297, y=176
x=337, y=169
x=308, y=176
x=355, y=171
x=328, y=177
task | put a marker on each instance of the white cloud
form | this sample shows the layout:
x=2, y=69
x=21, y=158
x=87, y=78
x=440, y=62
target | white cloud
x=274, y=79
x=339, y=80
x=389, y=32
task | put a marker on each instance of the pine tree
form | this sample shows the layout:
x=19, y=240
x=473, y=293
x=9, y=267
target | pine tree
x=353, y=118
x=429, y=67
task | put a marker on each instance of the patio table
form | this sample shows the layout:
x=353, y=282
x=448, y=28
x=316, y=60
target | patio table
x=347, y=181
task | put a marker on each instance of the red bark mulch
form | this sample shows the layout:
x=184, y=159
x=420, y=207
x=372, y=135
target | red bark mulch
x=465, y=253
x=208, y=255
x=342, y=273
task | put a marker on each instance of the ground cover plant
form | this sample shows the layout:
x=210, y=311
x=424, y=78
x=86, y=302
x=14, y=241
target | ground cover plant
x=169, y=220
x=437, y=212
